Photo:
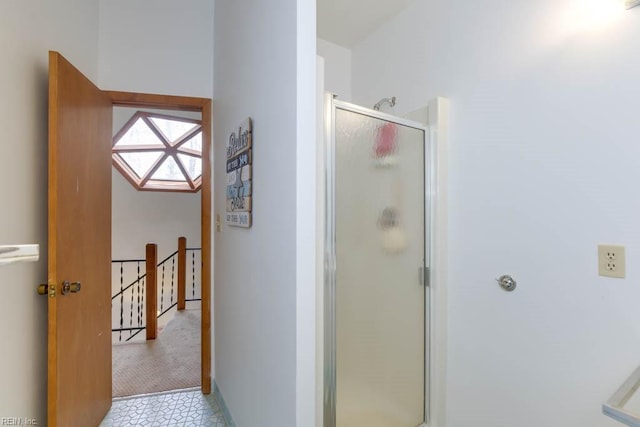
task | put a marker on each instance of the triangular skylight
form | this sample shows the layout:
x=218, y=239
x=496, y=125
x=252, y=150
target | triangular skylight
x=145, y=151
x=192, y=164
x=141, y=162
x=194, y=143
x=173, y=129
x=139, y=134
x=168, y=171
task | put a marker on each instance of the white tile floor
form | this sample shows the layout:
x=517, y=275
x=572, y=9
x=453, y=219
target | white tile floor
x=189, y=408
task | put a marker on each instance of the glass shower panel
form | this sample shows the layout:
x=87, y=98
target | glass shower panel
x=380, y=299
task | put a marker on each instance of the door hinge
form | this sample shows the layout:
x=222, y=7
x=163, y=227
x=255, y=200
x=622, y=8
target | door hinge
x=424, y=276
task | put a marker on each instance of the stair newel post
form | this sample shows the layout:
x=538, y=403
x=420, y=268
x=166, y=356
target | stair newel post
x=152, y=291
x=182, y=272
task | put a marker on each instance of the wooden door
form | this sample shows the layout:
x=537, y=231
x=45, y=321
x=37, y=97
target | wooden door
x=79, y=323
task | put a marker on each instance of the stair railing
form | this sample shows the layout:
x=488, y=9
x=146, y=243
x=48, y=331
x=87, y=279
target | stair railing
x=134, y=292
x=146, y=304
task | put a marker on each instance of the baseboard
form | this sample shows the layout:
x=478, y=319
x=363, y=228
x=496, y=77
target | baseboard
x=228, y=419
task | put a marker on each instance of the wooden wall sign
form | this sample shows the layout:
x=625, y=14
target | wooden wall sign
x=239, y=181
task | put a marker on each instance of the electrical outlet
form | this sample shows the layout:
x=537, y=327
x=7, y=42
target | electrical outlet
x=611, y=261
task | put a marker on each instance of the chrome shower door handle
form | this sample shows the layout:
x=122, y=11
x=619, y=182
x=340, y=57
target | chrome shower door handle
x=507, y=282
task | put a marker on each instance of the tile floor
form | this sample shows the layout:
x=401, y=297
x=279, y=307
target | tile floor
x=188, y=408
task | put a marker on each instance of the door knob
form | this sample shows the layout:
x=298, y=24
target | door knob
x=70, y=287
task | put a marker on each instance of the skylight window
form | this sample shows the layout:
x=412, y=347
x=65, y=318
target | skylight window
x=159, y=152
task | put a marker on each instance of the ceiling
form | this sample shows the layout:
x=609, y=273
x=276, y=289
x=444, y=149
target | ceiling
x=347, y=22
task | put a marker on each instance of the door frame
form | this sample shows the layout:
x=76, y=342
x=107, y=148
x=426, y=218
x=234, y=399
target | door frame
x=329, y=324
x=202, y=105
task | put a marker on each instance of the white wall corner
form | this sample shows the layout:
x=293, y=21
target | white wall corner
x=306, y=218
x=439, y=137
x=337, y=68
x=320, y=243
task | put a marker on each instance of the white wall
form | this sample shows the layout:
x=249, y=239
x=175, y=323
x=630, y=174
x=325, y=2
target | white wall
x=255, y=274
x=157, y=46
x=255, y=269
x=337, y=71
x=307, y=249
x=28, y=29
x=141, y=217
x=319, y=239
x=543, y=165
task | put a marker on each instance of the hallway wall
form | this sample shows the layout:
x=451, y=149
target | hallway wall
x=258, y=50
x=255, y=75
x=28, y=29
x=157, y=46
x=543, y=168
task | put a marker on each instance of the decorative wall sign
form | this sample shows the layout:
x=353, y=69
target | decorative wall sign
x=239, y=180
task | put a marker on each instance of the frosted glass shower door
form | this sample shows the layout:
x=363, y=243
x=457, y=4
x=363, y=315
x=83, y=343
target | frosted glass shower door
x=379, y=187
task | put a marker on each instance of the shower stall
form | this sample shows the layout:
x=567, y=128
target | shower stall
x=377, y=265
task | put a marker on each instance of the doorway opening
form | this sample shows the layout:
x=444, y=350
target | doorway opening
x=176, y=221
x=156, y=178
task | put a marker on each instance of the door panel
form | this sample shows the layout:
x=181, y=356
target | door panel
x=379, y=249
x=79, y=324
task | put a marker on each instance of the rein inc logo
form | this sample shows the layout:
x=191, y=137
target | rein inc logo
x=18, y=421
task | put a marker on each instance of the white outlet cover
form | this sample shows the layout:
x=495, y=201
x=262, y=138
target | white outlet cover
x=611, y=261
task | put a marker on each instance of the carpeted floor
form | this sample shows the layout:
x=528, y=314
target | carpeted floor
x=170, y=362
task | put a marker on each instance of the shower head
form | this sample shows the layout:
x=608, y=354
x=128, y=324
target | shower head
x=391, y=101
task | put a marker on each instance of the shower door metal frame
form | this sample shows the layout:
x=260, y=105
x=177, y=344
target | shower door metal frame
x=331, y=104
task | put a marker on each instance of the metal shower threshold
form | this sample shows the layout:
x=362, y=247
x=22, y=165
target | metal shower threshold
x=614, y=407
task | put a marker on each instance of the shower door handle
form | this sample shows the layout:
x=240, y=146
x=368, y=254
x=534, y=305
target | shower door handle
x=423, y=273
